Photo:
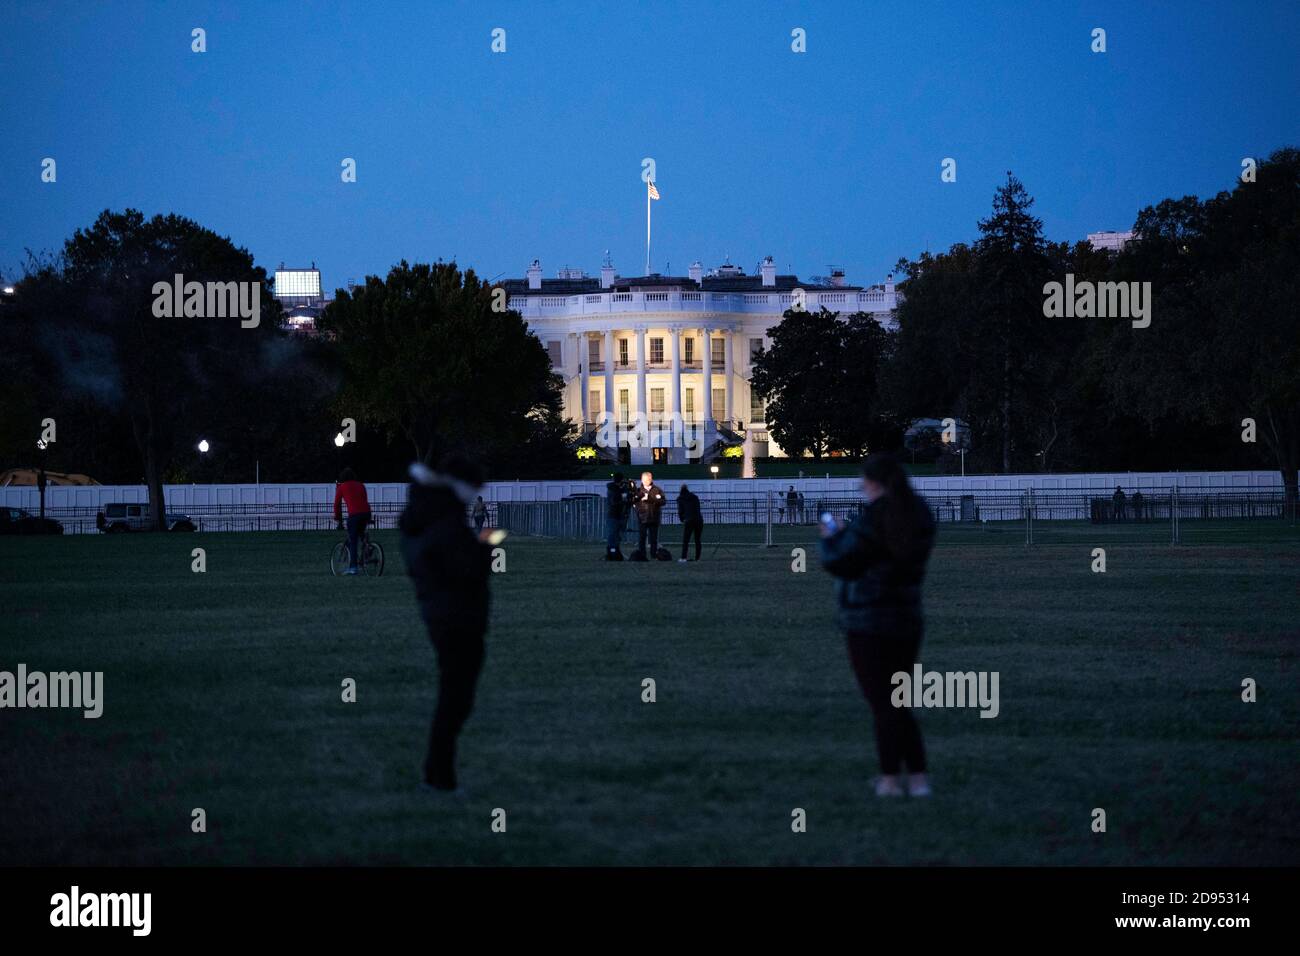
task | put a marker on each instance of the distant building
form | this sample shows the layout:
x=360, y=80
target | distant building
x=301, y=296
x=662, y=347
x=1110, y=240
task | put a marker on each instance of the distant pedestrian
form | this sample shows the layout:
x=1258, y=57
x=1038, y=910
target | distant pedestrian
x=1117, y=503
x=615, y=516
x=351, y=492
x=803, y=510
x=479, y=513
x=648, y=499
x=692, y=518
x=1138, y=502
x=791, y=503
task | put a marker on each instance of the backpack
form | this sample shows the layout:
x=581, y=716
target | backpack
x=663, y=555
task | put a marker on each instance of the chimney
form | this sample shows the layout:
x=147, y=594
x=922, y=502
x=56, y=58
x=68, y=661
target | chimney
x=837, y=275
x=607, y=272
x=695, y=271
x=768, y=270
x=535, y=274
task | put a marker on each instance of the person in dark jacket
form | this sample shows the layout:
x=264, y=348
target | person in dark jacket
x=615, y=513
x=878, y=559
x=692, y=519
x=449, y=566
x=648, y=500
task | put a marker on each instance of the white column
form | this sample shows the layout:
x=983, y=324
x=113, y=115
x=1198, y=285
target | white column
x=708, y=378
x=609, y=373
x=727, y=338
x=584, y=355
x=676, y=334
x=640, y=372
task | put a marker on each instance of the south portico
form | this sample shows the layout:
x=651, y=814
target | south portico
x=675, y=380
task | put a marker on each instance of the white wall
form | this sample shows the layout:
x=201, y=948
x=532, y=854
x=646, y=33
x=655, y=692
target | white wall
x=273, y=497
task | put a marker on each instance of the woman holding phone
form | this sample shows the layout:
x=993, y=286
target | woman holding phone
x=878, y=559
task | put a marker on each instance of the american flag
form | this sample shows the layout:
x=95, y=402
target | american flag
x=654, y=193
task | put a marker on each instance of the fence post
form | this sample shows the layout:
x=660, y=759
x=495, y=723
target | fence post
x=767, y=537
x=1173, y=514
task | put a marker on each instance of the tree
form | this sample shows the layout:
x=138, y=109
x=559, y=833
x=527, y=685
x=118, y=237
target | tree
x=820, y=382
x=1223, y=344
x=426, y=358
x=1011, y=269
x=116, y=361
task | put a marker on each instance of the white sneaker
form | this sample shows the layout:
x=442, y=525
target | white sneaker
x=681, y=560
x=888, y=787
x=918, y=785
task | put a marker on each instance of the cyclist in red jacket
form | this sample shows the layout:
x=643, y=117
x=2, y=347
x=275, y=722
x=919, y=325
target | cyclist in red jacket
x=353, y=493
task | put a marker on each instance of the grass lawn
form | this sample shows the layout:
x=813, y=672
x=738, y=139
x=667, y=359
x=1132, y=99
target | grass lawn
x=222, y=691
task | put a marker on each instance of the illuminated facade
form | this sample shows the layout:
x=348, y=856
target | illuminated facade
x=674, y=347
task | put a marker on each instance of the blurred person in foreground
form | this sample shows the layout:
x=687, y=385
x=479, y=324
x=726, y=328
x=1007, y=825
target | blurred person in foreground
x=878, y=559
x=449, y=565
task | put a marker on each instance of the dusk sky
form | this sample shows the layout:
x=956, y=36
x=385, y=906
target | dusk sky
x=830, y=156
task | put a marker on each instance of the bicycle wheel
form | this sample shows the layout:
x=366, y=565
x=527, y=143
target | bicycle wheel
x=339, y=558
x=373, y=565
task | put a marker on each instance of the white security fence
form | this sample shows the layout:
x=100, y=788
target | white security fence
x=578, y=510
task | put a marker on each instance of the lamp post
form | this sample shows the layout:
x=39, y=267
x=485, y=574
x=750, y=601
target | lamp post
x=41, y=445
x=713, y=470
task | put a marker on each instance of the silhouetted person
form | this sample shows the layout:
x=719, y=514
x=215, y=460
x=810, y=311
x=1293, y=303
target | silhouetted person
x=1117, y=502
x=479, y=513
x=648, y=500
x=1138, y=502
x=615, y=513
x=878, y=559
x=692, y=518
x=791, y=503
x=449, y=565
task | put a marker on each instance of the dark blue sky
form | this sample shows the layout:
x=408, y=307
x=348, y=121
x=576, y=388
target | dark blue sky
x=832, y=156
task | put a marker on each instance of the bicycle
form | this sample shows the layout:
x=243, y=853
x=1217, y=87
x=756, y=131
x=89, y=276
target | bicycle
x=372, y=556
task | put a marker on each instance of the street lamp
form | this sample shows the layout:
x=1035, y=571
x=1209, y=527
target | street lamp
x=203, y=446
x=713, y=470
x=339, y=440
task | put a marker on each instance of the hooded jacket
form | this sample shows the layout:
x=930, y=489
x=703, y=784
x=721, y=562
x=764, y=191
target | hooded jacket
x=878, y=584
x=444, y=558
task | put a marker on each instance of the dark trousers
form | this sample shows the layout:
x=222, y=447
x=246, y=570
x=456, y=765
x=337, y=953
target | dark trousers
x=356, y=524
x=460, y=658
x=692, y=529
x=653, y=531
x=613, y=533
x=876, y=657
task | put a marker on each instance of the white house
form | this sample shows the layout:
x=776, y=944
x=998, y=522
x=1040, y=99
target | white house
x=674, y=348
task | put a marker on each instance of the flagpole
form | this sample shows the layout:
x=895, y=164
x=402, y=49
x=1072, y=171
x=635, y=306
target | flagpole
x=647, y=228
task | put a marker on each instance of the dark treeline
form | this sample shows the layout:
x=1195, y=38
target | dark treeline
x=1074, y=393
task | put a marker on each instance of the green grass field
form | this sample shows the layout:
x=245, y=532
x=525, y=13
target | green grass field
x=1118, y=690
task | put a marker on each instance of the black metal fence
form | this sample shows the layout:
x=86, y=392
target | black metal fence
x=1167, y=514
